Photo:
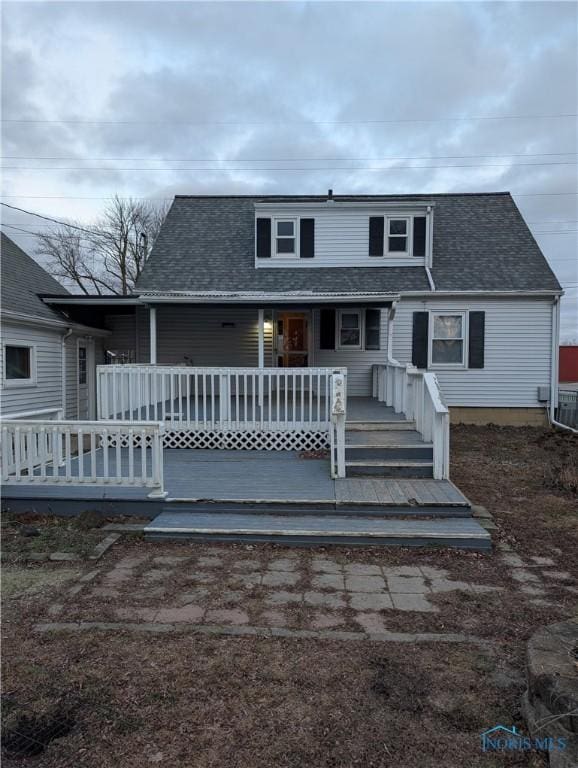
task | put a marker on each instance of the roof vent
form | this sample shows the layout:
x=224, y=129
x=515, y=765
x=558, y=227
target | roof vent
x=329, y=195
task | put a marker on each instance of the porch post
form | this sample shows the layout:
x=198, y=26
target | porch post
x=261, y=338
x=153, y=335
x=390, y=318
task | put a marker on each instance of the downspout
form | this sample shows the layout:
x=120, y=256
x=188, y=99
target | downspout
x=554, y=369
x=67, y=334
x=390, y=318
x=430, y=279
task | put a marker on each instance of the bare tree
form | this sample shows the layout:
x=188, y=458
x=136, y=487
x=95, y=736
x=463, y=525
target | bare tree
x=109, y=256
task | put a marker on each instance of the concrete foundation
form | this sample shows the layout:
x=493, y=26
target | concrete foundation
x=512, y=417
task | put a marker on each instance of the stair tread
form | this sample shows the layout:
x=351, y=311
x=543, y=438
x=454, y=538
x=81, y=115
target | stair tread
x=308, y=525
x=389, y=463
x=388, y=445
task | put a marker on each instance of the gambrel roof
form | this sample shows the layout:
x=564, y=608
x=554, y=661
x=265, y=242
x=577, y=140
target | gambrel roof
x=480, y=243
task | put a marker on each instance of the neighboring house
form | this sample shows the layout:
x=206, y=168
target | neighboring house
x=453, y=283
x=48, y=361
x=569, y=363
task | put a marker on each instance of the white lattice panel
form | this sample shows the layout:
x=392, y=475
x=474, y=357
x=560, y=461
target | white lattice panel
x=216, y=440
x=256, y=441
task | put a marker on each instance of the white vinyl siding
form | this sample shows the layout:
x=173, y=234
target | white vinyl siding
x=46, y=391
x=517, y=350
x=358, y=362
x=195, y=335
x=341, y=240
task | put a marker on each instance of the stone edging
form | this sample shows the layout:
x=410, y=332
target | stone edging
x=550, y=704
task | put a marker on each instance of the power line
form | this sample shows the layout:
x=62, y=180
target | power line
x=291, y=122
x=281, y=159
x=56, y=221
x=28, y=233
x=292, y=170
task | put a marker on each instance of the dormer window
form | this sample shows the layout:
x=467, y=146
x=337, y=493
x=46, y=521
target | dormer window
x=285, y=240
x=397, y=236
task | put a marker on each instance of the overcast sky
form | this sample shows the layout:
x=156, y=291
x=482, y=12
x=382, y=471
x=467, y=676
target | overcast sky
x=220, y=97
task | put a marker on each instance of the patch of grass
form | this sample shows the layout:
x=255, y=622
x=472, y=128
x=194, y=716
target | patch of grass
x=27, y=581
x=53, y=534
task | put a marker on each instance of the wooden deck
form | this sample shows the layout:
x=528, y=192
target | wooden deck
x=261, y=476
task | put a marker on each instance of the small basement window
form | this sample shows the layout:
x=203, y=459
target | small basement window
x=397, y=236
x=448, y=339
x=285, y=237
x=19, y=364
x=349, y=330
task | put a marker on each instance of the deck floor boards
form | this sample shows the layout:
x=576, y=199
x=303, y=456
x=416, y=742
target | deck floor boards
x=252, y=476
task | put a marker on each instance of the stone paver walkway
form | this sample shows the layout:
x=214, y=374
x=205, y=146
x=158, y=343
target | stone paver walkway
x=216, y=586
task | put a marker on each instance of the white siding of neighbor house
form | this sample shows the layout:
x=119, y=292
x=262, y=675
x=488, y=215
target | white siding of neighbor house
x=341, y=240
x=47, y=391
x=517, y=351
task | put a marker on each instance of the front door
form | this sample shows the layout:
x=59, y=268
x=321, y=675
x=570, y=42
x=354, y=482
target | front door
x=292, y=340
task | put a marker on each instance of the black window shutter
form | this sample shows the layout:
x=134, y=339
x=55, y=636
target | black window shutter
x=307, y=238
x=420, y=339
x=263, y=238
x=376, y=235
x=477, y=325
x=372, y=328
x=419, y=236
x=327, y=329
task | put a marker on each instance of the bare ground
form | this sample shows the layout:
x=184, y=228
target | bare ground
x=184, y=699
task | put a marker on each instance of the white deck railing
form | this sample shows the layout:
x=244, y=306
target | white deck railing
x=337, y=430
x=417, y=395
x=82, y=453
x=217, y=398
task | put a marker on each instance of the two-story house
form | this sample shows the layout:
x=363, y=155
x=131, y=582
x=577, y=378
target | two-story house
x=306, y=323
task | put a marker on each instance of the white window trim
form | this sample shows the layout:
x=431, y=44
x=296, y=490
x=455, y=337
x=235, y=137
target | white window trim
x=408, y=235
x=16, y=383
x=465, y=335
x=275, y=221
x=360, y=315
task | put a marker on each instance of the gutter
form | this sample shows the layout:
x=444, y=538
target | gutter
x=41, y=322
x=66, y=335
x=554, y=370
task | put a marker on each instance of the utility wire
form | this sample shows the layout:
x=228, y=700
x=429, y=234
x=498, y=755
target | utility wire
x=293, y=170
x=292, y=122
x=282, y=159
x=56, y=221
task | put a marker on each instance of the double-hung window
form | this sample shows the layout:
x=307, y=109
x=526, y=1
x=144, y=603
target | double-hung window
x=397, y=236
x=19, y=364
x=285, y=237
x=448, y=336
x=349, y=329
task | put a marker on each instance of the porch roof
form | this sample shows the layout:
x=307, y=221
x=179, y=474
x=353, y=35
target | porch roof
x=270, y=298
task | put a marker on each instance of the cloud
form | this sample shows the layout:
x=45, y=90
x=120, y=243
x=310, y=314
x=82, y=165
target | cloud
x=252, y=77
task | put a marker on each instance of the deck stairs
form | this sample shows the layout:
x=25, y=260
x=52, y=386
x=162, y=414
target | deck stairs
x=383, y=450
x=386, y=448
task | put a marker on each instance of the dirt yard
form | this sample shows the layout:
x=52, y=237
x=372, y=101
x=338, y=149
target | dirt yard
x=261, y=656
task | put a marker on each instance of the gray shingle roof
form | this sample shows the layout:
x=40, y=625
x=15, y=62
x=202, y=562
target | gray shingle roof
x=481, y=243
x=22, y=279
